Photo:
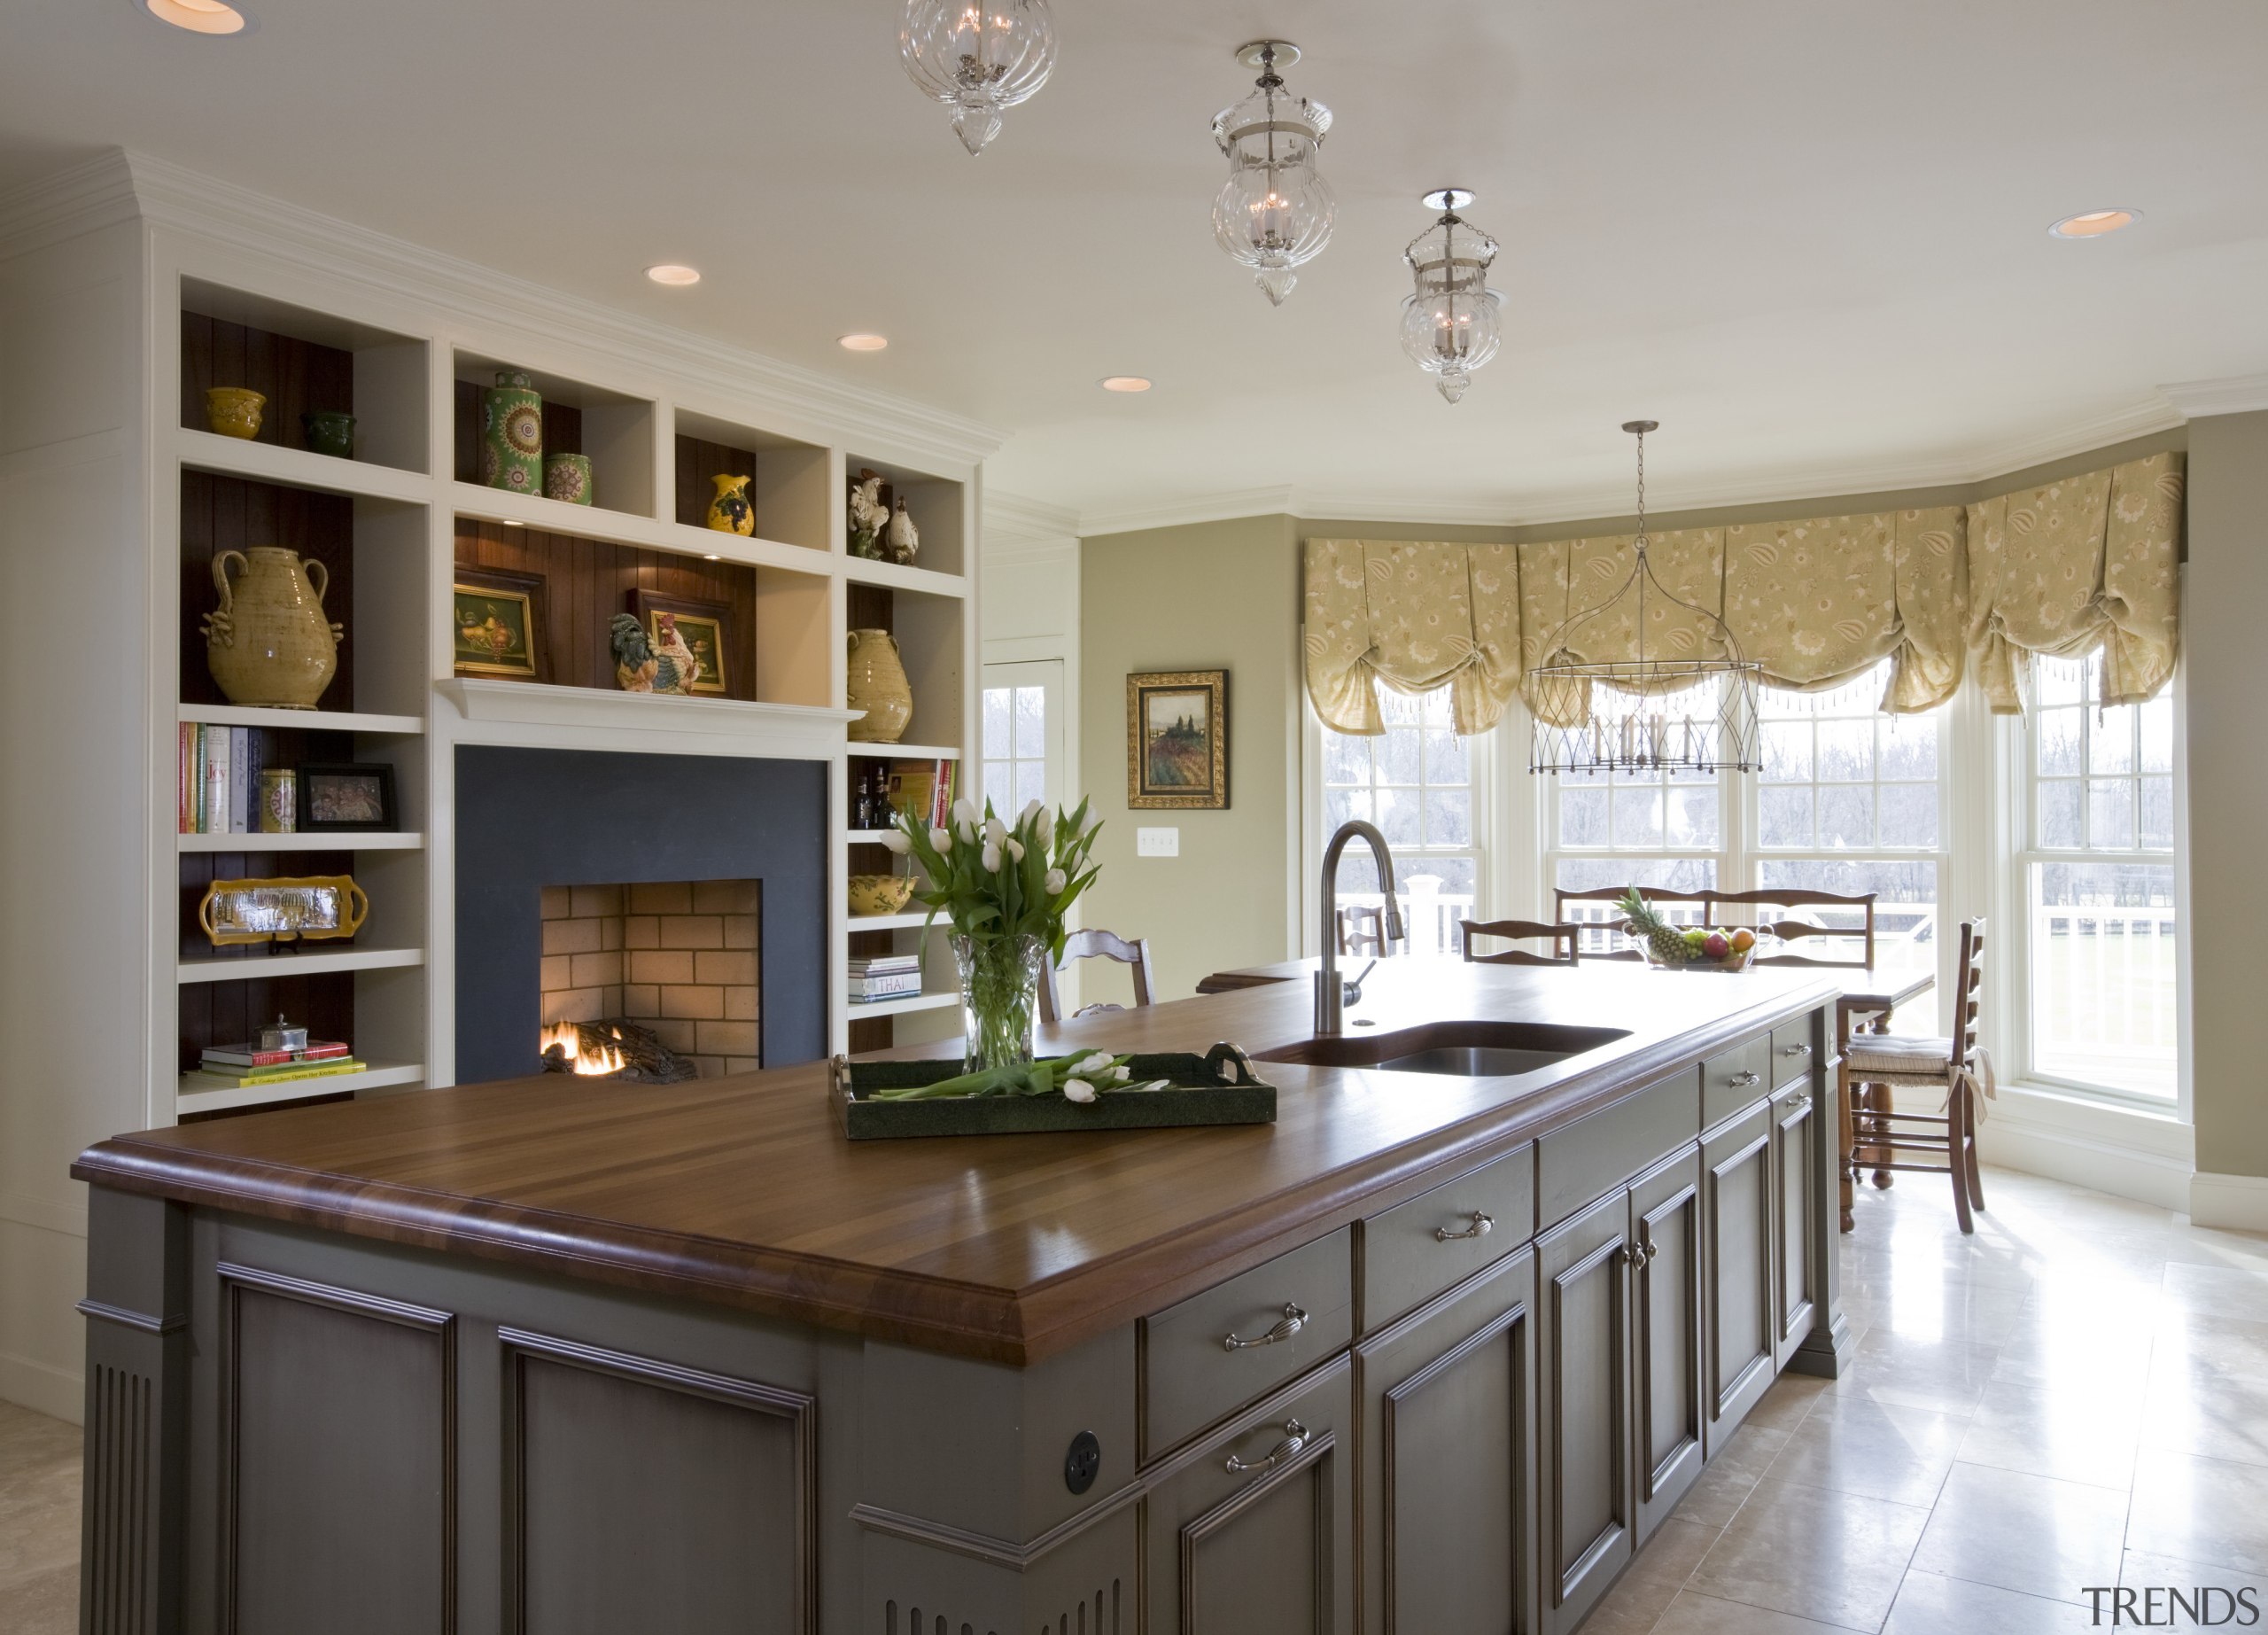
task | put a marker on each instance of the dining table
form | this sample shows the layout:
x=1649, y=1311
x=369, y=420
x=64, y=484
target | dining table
x=1871, y=996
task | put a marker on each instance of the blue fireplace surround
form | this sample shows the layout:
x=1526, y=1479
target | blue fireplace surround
x=526, y=819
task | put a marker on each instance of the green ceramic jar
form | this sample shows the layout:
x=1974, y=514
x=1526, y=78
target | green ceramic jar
x=567, y=477
x=511, y=434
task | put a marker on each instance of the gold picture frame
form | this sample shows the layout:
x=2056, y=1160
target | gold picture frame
x=497, y=624
x=1177, y=740
x=301, y=908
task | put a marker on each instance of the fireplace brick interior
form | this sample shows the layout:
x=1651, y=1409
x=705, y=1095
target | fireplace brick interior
x=680, y=957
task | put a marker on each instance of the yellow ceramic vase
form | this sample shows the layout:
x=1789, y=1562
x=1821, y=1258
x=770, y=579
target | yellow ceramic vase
x=732, y=511
x=234, y=411
x=269, y=644
x=877, y=684
x=877, y=894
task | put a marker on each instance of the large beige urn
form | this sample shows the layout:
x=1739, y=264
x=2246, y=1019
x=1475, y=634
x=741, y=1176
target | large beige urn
x=877, y=684
x=269, y=644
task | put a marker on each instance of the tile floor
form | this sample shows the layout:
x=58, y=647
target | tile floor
x=2079, y=1395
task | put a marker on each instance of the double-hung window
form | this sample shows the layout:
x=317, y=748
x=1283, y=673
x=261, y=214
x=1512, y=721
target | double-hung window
x=2097, y=877
x=1417, y=782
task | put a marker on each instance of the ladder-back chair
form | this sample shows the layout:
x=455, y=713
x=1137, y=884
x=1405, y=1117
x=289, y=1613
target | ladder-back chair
x=1654, y=896
x=1095, y=946
x=1796, y=931
x=1876, y=1065
x=1562, y=939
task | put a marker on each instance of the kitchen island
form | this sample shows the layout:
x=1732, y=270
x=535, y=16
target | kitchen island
x=1431, y=1352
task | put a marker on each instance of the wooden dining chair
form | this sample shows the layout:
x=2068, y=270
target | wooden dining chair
x=1611, y=924
x=1856, y=941
x=1361, y=931
x=1871, y=1129
x=1093, y=945
x=1563, y=941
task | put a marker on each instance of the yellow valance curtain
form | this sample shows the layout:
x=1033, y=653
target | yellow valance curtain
x=2089, y=561
x=1415, y=616
x=2059, y=570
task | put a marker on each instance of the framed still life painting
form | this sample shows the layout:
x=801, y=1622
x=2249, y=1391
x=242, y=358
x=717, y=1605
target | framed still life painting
x=1177, y=740
x=499, y=624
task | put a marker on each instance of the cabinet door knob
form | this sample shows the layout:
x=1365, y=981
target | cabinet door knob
x=1795, y=1103
x=1632, y=1254
x=1293, y=1322
x=1482, y=1225
x=1749, y=1077
x=1295, y=1438
x=1795, y=1050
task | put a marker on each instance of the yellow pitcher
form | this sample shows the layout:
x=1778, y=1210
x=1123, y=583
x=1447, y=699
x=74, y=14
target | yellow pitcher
x=732, y=511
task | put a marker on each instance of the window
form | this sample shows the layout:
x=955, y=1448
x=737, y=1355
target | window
x=1417, y=782
x=2098, y=883
x=1022, y=734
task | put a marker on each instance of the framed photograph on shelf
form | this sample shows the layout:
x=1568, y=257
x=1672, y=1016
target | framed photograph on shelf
x=499, y=624
x=703, y=626
x=347, y=799
x=1177, y=740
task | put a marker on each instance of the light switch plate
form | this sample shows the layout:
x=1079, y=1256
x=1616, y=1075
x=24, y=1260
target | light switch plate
x=1157, y=843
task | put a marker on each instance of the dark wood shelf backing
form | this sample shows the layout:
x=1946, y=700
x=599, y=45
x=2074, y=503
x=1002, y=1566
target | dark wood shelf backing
x=699, y=460
x=235, y=513
x=200, y=869
x=588, y=581
x=227, y=1013
x=297, y=377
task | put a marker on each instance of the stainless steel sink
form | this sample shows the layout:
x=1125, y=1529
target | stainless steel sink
x=1471, y=1049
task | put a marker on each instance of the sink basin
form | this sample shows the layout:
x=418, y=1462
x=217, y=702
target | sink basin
x=1471, y=1049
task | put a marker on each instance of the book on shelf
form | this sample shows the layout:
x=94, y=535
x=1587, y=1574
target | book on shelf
x=923, y=789
x=220, y=779
x=877, y=964
x=238, y=1057
x=892, y=986
x=232, y=1079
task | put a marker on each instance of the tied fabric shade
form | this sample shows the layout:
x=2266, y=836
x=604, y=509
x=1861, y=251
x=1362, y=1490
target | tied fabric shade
x=1416, y=617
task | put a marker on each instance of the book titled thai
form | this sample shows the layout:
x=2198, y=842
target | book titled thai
x=893, y=986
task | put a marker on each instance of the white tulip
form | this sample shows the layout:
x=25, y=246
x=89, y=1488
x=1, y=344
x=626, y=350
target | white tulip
x=964, y=811
x=1044, y=834
x=1016, y=848
x=990, y=859
x=1031, y=810
x=897, y=843
x=1119, y=1075
x=995, y=831
x=1098, y=1062
x=965, y=829
x=941, y=840
x=1078, y=1090
x=1055, y=882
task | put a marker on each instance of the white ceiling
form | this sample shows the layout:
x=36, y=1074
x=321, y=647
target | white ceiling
x=1805, y=235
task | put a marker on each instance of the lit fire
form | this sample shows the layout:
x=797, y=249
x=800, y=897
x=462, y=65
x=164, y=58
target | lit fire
x=569, y=1039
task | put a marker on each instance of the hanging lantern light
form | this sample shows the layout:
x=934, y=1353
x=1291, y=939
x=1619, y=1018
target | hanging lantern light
x=977, y=57
x=1274, y=214
x=1450, y=324
x=1692, y=713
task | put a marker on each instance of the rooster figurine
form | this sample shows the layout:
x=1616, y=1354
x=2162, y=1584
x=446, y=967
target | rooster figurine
x=904, y=540
x=661, y=664
x=868, y=516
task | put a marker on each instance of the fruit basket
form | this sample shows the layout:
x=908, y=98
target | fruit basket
x=1686, y=947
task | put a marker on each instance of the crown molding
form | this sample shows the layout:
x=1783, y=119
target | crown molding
x=2138, y=418
x=1016, y=526
x=2231, y=394
x=123, y=183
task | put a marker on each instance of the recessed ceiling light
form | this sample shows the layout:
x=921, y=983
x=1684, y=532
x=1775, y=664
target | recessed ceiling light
x=863, y=343
x=1126, y=383
x=2095, y=223
x=673, y=275
x=199, y=16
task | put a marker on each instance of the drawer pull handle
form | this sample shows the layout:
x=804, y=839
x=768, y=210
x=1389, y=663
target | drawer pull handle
x=1293, y=1321
x=1795, y=1050
x=1794, y=1103
x=1295, y=1438
x=1640, y=1254
x=1483, y=1223
x=1745, y=1078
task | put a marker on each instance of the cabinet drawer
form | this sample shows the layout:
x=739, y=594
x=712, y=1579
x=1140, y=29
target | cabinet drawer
x=1731, y=1081
x=1417, y=1249
x=1791, y=1051
x=1192, y=1374
x=1603, y=1149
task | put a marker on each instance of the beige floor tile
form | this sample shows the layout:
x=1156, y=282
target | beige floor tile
x=46, y=1603
x=1694, y=1614
x=2075, y=1435
x=1726, y=1482
x=1942, y=1376
x=2239, y=1292
x=2208, y=1510
x=1784, y=1405
x=1857, y=1444
x=1651, y=1582
x=2032, y=1534
x=29, y=1438
x=39, y=1531
x=1930, y=1604
x=1834, y=1557
x=2144, y=1570
x=2203, y=1410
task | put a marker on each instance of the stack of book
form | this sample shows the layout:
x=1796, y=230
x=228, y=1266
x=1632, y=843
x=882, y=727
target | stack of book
x=923, y=789
x=242, y=1067
x=220, y=779
x=885, y=976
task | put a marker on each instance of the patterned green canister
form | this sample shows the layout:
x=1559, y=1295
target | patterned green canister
x=511, y=434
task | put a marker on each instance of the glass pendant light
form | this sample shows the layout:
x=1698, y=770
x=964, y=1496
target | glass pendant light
x=977, y=57
x=1450, y=324
x=1274, y=214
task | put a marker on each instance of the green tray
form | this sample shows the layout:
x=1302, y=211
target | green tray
x=1217, y=1088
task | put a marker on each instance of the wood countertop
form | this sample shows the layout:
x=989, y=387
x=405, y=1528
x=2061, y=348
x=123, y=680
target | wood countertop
x=743, y=1191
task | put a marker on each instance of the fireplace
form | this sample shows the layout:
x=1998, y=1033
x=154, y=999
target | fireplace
x=684, y=897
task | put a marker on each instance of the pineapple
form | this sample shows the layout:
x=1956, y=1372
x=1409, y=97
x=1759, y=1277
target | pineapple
x=1664, y=940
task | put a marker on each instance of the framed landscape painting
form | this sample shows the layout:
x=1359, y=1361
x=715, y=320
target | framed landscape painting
x=1177, y=740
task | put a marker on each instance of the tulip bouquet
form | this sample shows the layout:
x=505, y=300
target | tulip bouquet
x=1004, y=888
x=1081, y=1079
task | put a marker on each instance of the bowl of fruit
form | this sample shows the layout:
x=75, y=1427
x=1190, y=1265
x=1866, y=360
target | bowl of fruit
x=1685, y=948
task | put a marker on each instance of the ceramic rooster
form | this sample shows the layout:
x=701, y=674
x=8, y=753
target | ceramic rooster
x=904, y=540
x=868, y=516
x=661, y=664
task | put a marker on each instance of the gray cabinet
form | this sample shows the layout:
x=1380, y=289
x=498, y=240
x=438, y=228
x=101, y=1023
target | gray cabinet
x=1739, y=1213
x=1583, y=1405
x=1666, y=1337
x=1448, y=1500
x=1795, y=1170
x=1249, y=1530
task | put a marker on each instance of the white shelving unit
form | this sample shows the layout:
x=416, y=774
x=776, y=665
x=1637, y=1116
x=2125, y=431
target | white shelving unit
x=384, y=840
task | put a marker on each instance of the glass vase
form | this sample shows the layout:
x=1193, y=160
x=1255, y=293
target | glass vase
x=999, y=991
